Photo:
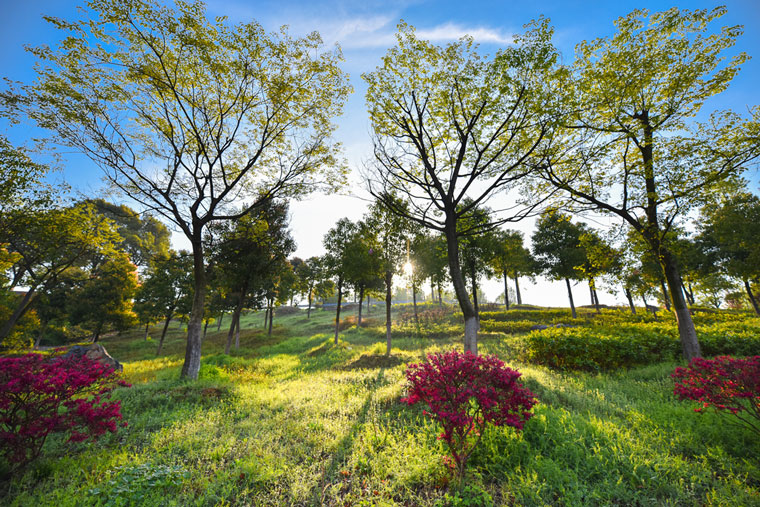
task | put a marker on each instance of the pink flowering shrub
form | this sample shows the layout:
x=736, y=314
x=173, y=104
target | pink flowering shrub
x=464, y=393
x=42, y=395
x=725, y=384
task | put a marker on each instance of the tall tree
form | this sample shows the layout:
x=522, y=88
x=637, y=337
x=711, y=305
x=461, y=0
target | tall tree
x=248, y=255
x=511, y=259
x=314, y=280
x=364, y=263
x=638, y=152
x=191, y=117
x=557, y=249
x=477, y=250
x=166, y=288
x=450, y=125
x=394, y=230
x=337, y=242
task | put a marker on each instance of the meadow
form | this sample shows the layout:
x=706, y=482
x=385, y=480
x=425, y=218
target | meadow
x=293, y=419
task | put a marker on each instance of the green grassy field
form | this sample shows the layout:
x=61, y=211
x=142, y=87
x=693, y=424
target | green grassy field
x=293, y=419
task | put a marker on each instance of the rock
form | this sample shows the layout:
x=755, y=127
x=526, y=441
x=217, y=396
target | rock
x=538, y=327
x=96, y=352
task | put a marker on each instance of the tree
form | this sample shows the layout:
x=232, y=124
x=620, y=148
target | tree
x=394, y=230
x=142, y=238
x=105, y=297
x=46, y=242
x=511, y=258
x=431, y=261
x=477, y=250
x=191, y=117
x=249, y=255
x=730, y=235
x=638, y=153
x=557, y=249
x=364, y=263
x=601, y=258
x=337, y=242
x=450, y=125
x=314, y=280
x=166, y=288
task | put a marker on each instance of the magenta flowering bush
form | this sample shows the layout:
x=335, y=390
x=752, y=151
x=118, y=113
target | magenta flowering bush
x=727, y=385
x=464, y=393
x=41, y=395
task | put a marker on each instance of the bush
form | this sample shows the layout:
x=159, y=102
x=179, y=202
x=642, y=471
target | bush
x=464, y=393
x=724, y=384
x=40, y=395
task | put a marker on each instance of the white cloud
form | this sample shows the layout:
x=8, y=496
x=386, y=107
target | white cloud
x=453, y=31
x=379, y=32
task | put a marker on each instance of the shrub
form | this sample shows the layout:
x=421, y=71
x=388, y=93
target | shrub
x=724, y=384
x=41, y=395
x=600, y=348
x=464, y=393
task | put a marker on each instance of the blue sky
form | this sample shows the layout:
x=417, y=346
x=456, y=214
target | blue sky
x=365, y=30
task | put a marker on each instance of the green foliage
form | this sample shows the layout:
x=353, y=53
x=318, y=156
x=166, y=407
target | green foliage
x=139, y=484
x=468, y=496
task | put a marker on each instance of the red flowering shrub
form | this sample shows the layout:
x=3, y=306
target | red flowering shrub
x=465, y=392
x=42, y=395
x=724, y=384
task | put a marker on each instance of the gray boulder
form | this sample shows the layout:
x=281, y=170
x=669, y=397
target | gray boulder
x=95, y=352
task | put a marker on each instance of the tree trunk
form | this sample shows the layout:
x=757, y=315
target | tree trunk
x=506, y=291
x=570, y=295
x=205, y=327
x=308, y=311
x=665, y=297
x=219, y=324
x=388, y=301
x=266, y=313
x=473, y=278
x=414, y=302
x=163, y=331
x=368, y=308
x=598, y=304
x=98, y=329
x=440, y=296
x=18, y=312
x=471, y=325
x=145, y=338
x=752, y=299
x=192, y=364
x=237, y=331
x=361, y=304
x=236, y=317
x=630, y=300
x=271, y=315
x=689, y=297
x=686, y=330
x=646, y=306
x=517, y=290
x=432, y=289
x=337, y=309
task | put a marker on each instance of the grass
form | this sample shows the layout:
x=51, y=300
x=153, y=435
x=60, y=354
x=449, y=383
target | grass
x=294, y=419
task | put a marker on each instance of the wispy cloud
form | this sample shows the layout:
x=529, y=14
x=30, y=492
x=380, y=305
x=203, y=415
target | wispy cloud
x=378, y=32
x=453, y=31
